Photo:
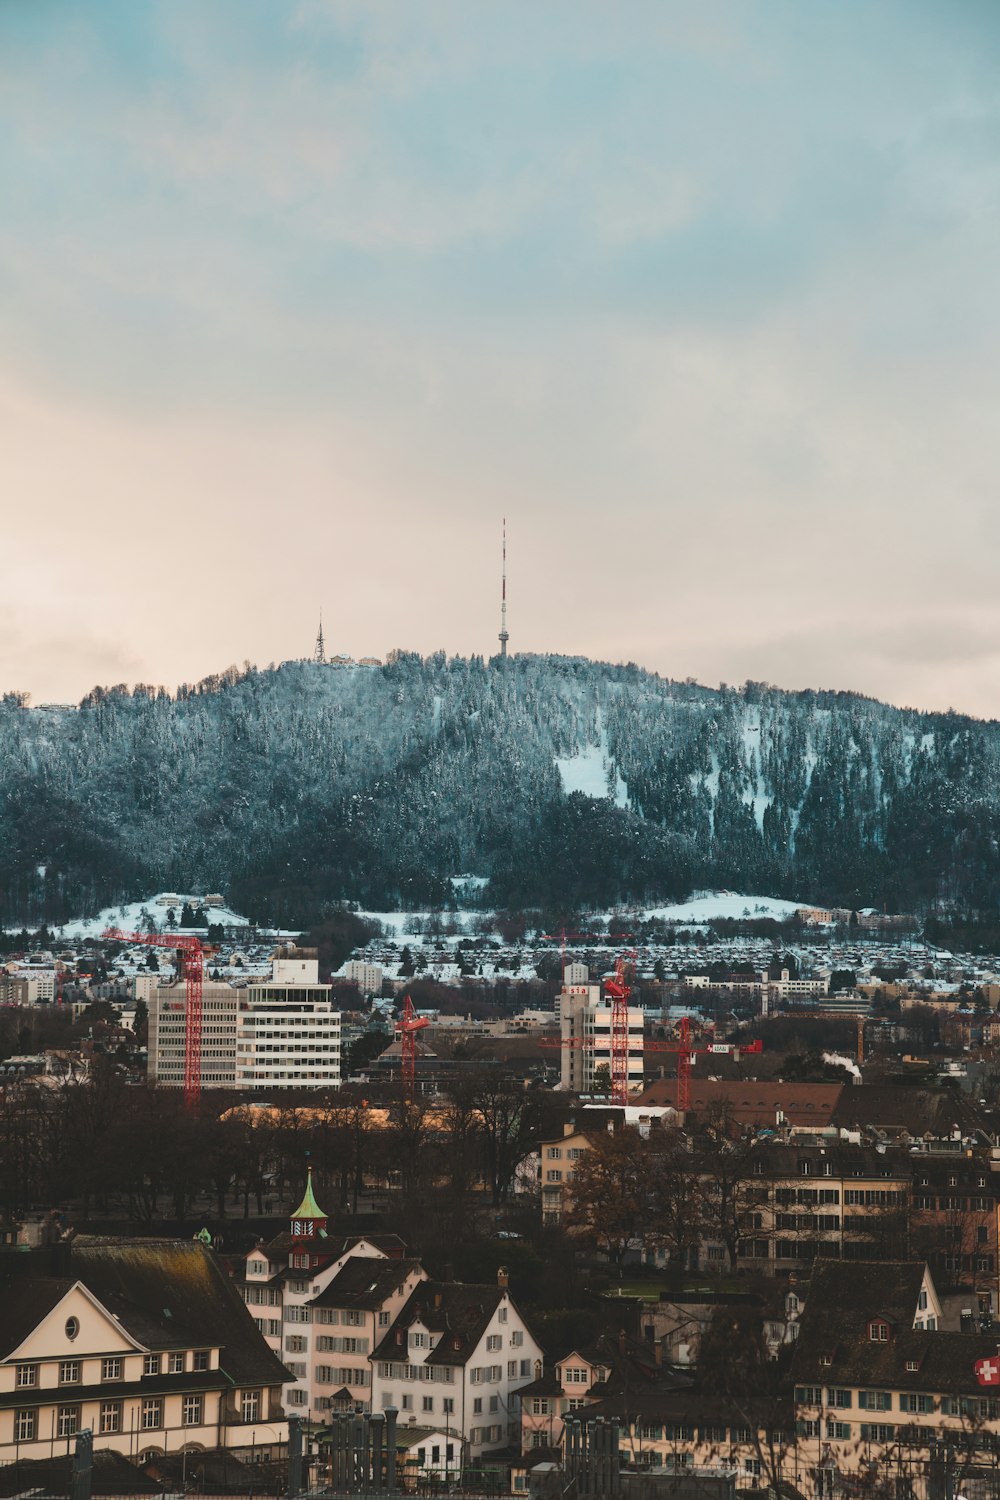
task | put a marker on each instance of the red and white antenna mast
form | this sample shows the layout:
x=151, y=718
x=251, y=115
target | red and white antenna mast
x=503, y=595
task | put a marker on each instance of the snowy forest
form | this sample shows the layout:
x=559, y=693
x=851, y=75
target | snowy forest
x=559, y=781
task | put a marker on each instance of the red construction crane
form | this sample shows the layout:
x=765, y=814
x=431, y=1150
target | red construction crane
x=619, y=992
x=192, y=967
x=685, y=1052
x=591, y=938
x=407, y=1026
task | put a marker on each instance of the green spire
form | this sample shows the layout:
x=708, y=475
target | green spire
x=309, y=1208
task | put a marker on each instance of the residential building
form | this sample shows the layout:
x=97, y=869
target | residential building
x=585, y=1034
x=367, y=976
x=557, y=1161
x=143, y=1341
x=457, y=1355
x=322, y=1303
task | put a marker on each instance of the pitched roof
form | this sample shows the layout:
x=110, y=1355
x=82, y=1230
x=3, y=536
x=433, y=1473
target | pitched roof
x=753, y=1101
x=365, y=1282
x=915, y=1111
x=164, y=1293
x=459, y=1311
x=842, y=1297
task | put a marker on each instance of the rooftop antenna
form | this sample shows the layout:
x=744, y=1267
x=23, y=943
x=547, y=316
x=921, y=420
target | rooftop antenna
x=319, y=654
x=503, y=596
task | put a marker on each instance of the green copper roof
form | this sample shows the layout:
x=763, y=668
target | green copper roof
x=309, y=1208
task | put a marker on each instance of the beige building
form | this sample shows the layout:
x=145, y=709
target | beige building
x=145, y=1342
x=585, y=1035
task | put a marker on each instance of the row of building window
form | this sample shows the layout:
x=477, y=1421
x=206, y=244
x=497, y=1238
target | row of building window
x=70, y=1370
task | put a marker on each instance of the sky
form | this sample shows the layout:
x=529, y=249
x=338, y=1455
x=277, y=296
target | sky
x=300, y=298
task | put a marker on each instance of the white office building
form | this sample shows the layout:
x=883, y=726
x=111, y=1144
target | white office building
x=282, y=1034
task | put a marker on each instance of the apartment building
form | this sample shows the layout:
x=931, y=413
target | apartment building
x=321, y=1303
x=145, y=1342
x=367, y=976
x=585, y=1033
x=557, y=1162
x=284, y=1033
x=457, y=1355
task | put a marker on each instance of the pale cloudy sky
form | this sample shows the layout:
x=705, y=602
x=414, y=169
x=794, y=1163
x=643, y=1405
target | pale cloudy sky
x=299, y=297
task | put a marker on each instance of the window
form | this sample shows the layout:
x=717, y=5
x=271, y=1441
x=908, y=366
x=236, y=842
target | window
x=69, y=1372
x=250, y=1406
x=575, y=1377
x=502, y=1315
x=494, y=1342
x=840, y=1430
x=494, y=1403
x=912, y=1403
x=111, y=1416
x=448, y=1405
x=298, y=1398
x=553, y=1175
x=525, y=1368
x=539, y=1406
x=111, y=1369
x=26, y=1375
x=192, y=1411
x=877, y=1432
x=878, y=1332
x=809, y=1395
x=841, y=1399
x=516, y=1339
x=67, y=1421
x=152, y=1413
x=875, y=1400
x=383, y=1320
x=25, y=1426
x=175, y=1364
x=72, y=1327
x=428, y=1403
x=477, y=1405
x=151, y=1364
x=200, y=1359
x=406, y=1404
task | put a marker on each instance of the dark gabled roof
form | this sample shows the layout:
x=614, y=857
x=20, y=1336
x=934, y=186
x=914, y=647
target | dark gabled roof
x=753, y=1101
x=457, y=1310
x=164, y=1293
x=918, y=1112
x=687, y=1403
x=840, y=1301
x=330, y=1247
x=112, y=1474
x=365, y=1282
x=24, y=1302
x=544, y=1385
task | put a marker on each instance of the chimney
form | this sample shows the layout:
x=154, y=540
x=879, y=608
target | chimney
x=658, y=1351
x=449, y=1272
x=621, y=1341
x=569, y=1128
x=503, y=1278
x=437, y=1297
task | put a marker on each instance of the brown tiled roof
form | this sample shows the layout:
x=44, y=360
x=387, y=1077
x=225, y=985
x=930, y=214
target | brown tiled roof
x=753, y=1101
x=917, y=1111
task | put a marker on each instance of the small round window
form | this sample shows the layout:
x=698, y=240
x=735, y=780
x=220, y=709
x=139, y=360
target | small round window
x=72, y=1327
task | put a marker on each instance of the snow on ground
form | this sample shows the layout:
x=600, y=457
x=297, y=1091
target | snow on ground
x=133, y=917
x=708, y=905
x=588, y=771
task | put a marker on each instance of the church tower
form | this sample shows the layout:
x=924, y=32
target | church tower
x=308, y=1228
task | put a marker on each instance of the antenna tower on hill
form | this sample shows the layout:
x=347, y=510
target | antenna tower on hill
x=319, y=654
x=503, y=594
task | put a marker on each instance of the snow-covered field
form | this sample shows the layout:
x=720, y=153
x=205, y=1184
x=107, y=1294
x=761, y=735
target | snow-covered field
x=709, y=905
x=134, y=917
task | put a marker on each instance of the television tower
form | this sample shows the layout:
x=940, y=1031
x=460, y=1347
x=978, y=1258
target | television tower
x=503, y=595
x=319, y=653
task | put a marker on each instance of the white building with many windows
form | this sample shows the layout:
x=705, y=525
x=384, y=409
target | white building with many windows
x=322, y=1303
x=456, y=1356
x=281, y=1034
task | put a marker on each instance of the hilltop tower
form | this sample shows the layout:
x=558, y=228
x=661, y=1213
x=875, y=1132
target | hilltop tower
x=503, y=594
x=319, y=650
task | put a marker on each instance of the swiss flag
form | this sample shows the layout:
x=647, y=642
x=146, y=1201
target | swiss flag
x=988, y=1370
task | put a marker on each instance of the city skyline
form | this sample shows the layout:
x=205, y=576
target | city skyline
x=299, y=302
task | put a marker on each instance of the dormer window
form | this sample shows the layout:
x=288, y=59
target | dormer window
x=826, y=1359
x=912, y=1365
x=878, y=1331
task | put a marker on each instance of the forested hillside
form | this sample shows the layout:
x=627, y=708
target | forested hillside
x=295, y=787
